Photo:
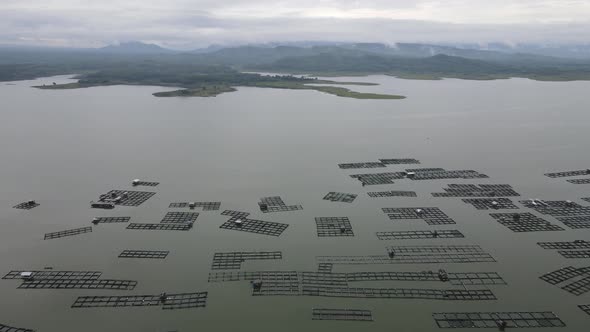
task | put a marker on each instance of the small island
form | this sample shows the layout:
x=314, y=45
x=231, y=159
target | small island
x=211, y=81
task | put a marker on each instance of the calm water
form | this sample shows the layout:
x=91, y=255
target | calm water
x=64, y=148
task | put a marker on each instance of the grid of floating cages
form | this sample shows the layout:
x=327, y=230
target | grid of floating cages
x=498, y=320
x=325, y=267
x=378, y=178
x=568, y=173
x=6, y=328
x=490, y=203
x=109, y=220
x=333, y=226
x=340, y=197
x=431, y=215
x=160, y=227
x=126, y=197
x=524, y=222
x=414, y=235
x=579, y=181
x=401, y=293
x=239, y=222
x=587, y=199
x=585, y=308
x=342, y=314
x=417, y=255
x=575, y=222
x=575, y=253
x=68, y=232
x=270, y=276
x=565, y=245
x=557, y=208
x=439, y=173
x=167, y=301
x=392, y=193
x=26, y=205
x=276, y=204
x=45, y=274
x=463, y=278
x=207, y=206
x=574, y=280
x=234, y=260
x=179, y=217
x=399, y=161
x=110, y=284
x=371, y=164
x=145, y=183
x=481, y=190
x=155, y=254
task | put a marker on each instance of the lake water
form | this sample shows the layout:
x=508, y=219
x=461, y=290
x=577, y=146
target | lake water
x=63, y=148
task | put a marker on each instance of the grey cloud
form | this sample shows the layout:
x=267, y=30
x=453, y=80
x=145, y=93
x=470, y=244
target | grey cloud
x=187, y=24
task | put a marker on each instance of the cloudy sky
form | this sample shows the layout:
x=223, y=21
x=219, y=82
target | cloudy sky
x=184, y=24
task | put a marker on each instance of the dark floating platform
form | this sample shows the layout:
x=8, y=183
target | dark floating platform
x=575, y=253
x=179, y=217
x=392, y=194
x=417, y=255
x=431, y=215
x=125, y=197
x=414, y=235
x=399, y=161
x=379, y=164
x=6, y=328
x=61, y=275
x=568, y=173
x=577, y=244
x=110, y=284
x=25, y=206
x=466, y=278
x=524, y=222
x=240, y=222
x=167, y=301
x=497, y=320
x=207, y=206
x=234, y=260
x=69, y=232
x=340, y=197
x=343, y=279
x=578, y=279
x=138, y=182
x=160, y=227
x=156, y=254
x=575, y=222
x=333, y=226
x=579, y=181
x=276, y=204
x=557, y=208
x=378, y=178
x=342, y=314
x=325, y=267
x=569, y=249
x=491, y=203
x=585, y=308
x=109, y=220
x=439, y=173
x=481, y=190
x=362, y=165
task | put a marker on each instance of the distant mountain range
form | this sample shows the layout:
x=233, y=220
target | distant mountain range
x=411, y=60
x=135, y=47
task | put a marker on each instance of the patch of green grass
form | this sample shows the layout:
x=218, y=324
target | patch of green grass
x=204, y=91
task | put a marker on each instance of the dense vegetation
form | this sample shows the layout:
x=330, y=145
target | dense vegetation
x=207, y=73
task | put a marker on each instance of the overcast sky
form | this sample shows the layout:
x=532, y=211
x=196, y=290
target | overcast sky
x=184, y=24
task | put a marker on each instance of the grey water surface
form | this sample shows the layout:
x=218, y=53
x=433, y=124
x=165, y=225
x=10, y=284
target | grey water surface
x=63, y=148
